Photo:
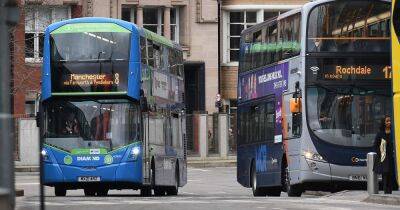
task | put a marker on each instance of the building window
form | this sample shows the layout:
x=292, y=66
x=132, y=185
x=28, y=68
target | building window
x=30, y=108
x=153, y=20
x=175, y=24
x=271, y=14
x=128, y=14
x=238, y=21
x=37, y=18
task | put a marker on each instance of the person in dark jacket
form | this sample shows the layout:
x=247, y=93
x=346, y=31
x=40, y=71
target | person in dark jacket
x=384, y=163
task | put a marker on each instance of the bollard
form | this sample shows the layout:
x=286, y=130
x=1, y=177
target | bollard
x=372, y=176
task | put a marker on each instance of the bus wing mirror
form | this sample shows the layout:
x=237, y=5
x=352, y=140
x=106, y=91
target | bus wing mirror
x=295, y=105
x=38, y=119
x=143, y=104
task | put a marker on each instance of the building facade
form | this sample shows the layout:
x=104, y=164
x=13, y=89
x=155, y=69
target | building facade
x=191, y=23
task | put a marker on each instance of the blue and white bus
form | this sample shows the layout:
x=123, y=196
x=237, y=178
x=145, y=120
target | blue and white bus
x=313, y=85
x=111, y=113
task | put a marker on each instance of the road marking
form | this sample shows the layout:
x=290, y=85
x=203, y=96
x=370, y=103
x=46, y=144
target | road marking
x=198, y=169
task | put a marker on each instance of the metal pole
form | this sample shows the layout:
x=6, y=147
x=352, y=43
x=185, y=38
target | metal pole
x=8, y=17
x=372, y=176
x=219, y=46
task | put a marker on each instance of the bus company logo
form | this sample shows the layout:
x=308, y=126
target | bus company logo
x=67, y=160
x=94, y=151
x=356, y=160
x=314, y=69
x=108, y=159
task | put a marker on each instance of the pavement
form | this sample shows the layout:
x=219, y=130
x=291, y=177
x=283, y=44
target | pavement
x=207, y=188
x=387, y=199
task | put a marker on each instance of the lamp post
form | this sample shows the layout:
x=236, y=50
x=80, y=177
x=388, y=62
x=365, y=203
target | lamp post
x=8, y=17
x=219, y=46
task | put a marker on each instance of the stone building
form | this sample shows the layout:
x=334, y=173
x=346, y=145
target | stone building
x=191, y=23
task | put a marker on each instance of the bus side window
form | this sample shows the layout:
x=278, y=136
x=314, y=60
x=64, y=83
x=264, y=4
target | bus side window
x=157, y=56
x=143, y=52
x=150, y=53
x=272, y=43
x=270, y=121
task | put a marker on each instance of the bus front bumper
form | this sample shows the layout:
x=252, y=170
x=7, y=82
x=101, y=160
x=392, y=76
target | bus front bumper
x=320, y=175
x=71, y=176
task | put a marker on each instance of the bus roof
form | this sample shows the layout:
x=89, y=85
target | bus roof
x=127, y=25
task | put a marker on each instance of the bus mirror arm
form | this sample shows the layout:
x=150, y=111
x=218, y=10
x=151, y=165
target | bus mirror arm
x=143, y=104
x=38, y=118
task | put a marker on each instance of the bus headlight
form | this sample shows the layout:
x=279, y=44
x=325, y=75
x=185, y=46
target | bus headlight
x=45, y=155
x=134, y=154
x=313, y=156
x=135, y=151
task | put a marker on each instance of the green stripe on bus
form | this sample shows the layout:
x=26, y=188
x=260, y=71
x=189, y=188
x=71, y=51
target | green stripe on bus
x=77, y=150
x=160, y=39
x=89, y=93
x=90, y=27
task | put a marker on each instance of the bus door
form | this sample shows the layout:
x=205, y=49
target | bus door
x=291, y=128
x=145, y=149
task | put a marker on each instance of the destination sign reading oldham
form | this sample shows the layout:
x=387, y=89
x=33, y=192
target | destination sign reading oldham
x=349, y=69
x=89, y=77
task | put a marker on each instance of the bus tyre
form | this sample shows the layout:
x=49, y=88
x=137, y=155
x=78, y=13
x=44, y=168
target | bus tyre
x=159, y=191
x=102, y=192
x=257, y=191
x=145, y=191
x=174, y=190
x=89, y=192
x=274, y=191
x=60, y=191
x=292, y=190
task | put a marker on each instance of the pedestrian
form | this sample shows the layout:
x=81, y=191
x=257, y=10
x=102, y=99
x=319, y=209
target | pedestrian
x=384, y=162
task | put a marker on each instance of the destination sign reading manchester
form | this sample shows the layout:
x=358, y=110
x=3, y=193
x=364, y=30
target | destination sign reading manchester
x=83, y=80
x=74, y=77
x=346, y=69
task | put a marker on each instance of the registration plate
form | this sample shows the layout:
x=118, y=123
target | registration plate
x=358, y=177
x=89, y=179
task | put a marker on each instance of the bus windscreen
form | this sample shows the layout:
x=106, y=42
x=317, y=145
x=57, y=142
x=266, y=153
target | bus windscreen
x=89, y=61
x=349, y=26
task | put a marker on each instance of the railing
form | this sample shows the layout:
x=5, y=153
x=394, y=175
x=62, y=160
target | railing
x=211, y=135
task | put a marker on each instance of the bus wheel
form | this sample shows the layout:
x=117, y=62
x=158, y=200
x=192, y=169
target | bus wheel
x=292, y=190
x=102, y=192
x=174, y=190
x=254, y=186
x=159, y=191
x=273, y=191
x=145, y=191
x=89, y=192
x=60, y=191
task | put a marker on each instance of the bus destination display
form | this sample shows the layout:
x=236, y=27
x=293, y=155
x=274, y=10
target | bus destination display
x=346, y=69
x=73, y=77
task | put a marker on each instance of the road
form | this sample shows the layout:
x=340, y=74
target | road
x=209, y=188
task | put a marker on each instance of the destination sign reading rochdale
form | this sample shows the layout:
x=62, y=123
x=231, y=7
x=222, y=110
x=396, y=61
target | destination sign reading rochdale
x=89, y=77
x=349, y=69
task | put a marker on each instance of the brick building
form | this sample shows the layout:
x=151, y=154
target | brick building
x=26, y=47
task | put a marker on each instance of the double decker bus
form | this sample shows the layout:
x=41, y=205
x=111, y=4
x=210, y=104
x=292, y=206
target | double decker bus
x=396, y=79
x=111, y=113
x=313, y=85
